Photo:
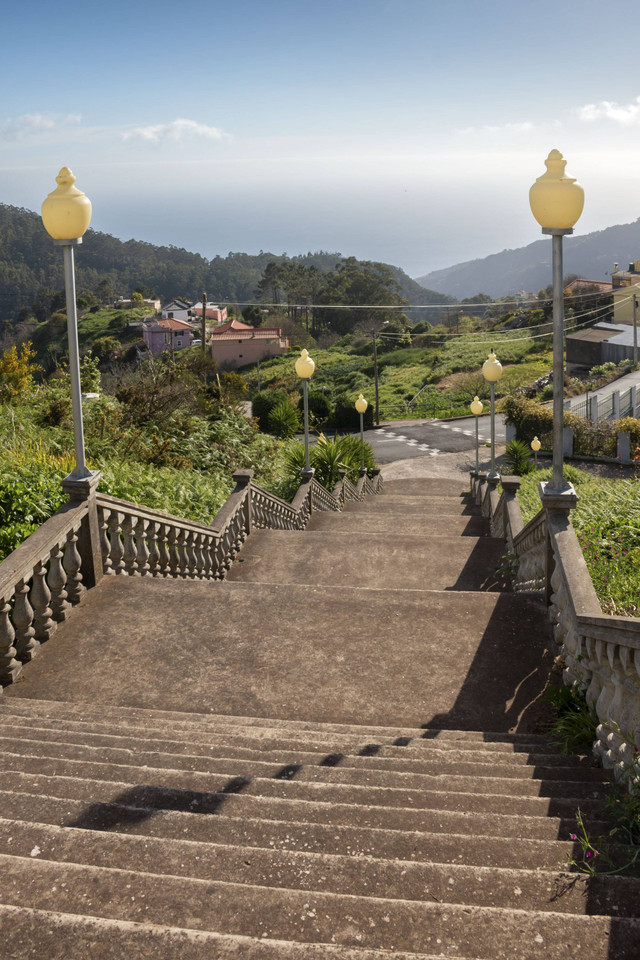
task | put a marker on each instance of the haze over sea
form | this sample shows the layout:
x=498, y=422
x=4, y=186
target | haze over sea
x=407, y=131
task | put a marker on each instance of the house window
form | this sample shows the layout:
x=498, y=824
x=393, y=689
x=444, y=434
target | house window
x=178, y=343
x=166, y=338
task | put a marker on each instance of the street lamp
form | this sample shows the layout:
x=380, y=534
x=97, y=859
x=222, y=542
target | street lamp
x=304, y=368
x=66, y=214
x=556, y=202
x=492, y=371
x=535, y=446
x=476, y=406
x=361, y=406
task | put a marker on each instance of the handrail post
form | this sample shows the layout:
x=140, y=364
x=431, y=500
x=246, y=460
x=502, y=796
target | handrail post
x=89, y=546
x=554, y=505
x=342, y=474
x=242, y=480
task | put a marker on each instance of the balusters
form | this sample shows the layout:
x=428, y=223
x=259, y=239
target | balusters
x=25, y=643
x=182, y=554
x=72, y=562
x=174, y=552
x=163, y=551
x=130, y=551
x=57, y=583
x=117, y=548
x=208, y=547
x=198, y=541
x=189, y=545
x=105, y=546
x=142, y=551
x=9, y=666
x=43, y=622
x=154, y=552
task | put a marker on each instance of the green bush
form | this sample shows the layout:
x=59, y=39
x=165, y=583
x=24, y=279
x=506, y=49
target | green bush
x=517, y=456
x=320, y=408
x=283, y=420
x=529, y=418
x=263, y=403
x=629, y=425
x=346, y=417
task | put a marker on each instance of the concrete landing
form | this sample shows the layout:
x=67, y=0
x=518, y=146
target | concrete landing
x=338, y=653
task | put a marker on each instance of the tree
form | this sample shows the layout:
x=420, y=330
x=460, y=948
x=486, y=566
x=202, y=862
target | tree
x=16, y=371
x=252, y=314
x=137, y=300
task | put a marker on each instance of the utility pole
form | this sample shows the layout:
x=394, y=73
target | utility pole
x=635, y=329
x=258, y=376
x=204, y=325
x=375, y=371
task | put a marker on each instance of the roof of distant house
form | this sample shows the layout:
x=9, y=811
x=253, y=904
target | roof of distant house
x=170, y=323
x=235, y=330
x=602, y=285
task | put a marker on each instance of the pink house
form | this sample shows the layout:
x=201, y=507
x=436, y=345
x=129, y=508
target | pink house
x=168, y=334
x=214, y=312
x=236, y=344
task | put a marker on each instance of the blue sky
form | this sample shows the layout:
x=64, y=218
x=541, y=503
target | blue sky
x=401, y=130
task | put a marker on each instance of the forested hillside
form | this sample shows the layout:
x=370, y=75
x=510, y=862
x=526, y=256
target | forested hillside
x=29, y=262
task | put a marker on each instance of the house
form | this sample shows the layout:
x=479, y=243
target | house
x=126, y=304
x=178, y=309
x=167, y=334
x=626, y=284
x=214, y=312
x=601, y=343
x=235, y=344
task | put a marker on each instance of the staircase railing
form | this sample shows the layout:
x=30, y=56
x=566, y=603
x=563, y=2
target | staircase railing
x=96, y=535
x=598, y=654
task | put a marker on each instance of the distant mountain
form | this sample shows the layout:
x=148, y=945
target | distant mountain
x=29, y=261
x=529, y=268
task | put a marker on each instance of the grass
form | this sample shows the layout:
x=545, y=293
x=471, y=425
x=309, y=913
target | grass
x=607, y=524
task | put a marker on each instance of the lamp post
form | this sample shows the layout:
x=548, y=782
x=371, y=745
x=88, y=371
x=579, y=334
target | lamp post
x=476, y=406
x=556, y=202
x=535, y=446
x=304, y=368
x=361, y=406
x=66, y=214
x=492, y=371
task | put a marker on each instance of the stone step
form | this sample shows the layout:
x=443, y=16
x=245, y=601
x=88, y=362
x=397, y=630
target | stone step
x=390, y=525
x=466, y=814
x=405, y=563
x=530, y=889
x=191, y=724
x=380, y=843
x=403, y=506
x=315, y=917
x=376, y=771
x=424, y=488
x=385, y=788
x=465, y=659
x=63, y=936
x=406, y=759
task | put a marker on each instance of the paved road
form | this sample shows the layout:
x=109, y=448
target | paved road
x=402, y=439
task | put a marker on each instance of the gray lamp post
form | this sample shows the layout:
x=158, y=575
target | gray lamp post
x=304, y=368
x=492, y=371
x=66, y=214
x=556, y=202
x=361, y=407
x=476, y=406
x=535, y=446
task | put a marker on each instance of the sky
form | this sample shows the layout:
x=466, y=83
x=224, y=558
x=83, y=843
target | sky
x=407, y=131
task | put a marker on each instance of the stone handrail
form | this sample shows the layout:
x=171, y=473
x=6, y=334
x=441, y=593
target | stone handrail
x=39, y=582
x=96, y=535
x=598, y=654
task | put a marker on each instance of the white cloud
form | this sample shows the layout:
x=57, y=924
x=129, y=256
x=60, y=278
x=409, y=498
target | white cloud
x=177, y=130
x=30, y=125
x=627, y=115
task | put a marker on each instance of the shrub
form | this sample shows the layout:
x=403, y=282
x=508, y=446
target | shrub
x=629, y=425
x=529, y=418
x=346, y=417
x=263, y=403
x=283, y=420
x=320, y=408
x=574, y=726
x=518, y=459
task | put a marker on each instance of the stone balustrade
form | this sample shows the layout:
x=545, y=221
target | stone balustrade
x=598, y=654
x=96, y=535
x=39, y=584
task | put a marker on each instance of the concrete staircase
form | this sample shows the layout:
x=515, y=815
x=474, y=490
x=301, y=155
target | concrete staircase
x=335, y=754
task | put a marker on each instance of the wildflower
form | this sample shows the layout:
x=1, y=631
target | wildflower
x=573, y=836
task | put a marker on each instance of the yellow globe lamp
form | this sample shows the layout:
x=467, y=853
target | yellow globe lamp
x=476, y=406
x=492, y=368
x=66, y=211
x=361, y=404
x=305, y=366
x=535, y=444
x=556, y=200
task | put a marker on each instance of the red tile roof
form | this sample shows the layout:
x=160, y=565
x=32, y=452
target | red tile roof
x=235, y=330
